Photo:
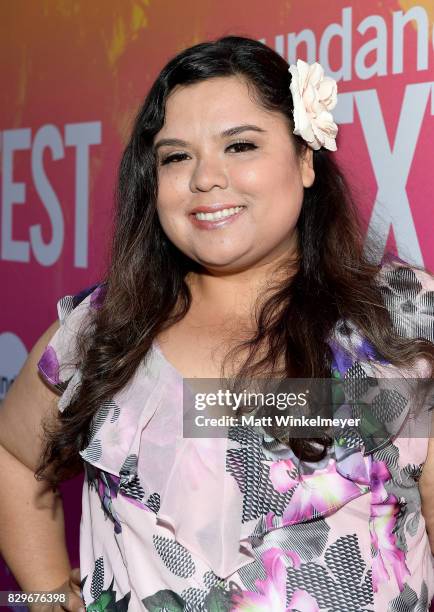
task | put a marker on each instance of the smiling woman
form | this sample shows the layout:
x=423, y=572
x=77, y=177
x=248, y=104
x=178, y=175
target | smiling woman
x=261, y=177
x=238, y=254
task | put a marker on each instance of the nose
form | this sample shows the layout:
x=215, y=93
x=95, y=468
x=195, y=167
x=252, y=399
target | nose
x=208, y=173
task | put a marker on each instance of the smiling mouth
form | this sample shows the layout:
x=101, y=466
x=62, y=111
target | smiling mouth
x=224, y=213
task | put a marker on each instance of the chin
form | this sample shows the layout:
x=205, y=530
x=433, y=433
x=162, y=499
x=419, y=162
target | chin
x=229, y=265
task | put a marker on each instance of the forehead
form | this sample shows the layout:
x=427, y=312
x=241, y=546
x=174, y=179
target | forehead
x=217, y=102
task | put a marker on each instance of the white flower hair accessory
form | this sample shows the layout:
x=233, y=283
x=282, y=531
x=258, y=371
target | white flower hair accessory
x=314, y=96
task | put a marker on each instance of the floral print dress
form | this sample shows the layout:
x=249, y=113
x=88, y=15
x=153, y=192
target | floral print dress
x=238, y=523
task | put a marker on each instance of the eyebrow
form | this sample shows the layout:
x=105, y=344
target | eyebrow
x=233, y=131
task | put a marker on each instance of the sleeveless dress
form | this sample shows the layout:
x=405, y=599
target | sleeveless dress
x=238, y=523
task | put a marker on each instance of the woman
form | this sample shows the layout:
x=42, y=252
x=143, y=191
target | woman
x=277, y=286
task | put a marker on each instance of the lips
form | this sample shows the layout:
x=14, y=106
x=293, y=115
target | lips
x=209, y=224
x=214, y=208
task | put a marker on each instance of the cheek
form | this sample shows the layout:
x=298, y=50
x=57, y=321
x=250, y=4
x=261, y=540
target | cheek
x=251, y=177
x=172, y=202
x=268, y=175
x=285, y=176
x=279, y=202
x=170, y=193
x=276, y=189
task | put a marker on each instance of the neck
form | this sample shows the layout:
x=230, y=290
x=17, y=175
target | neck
x=234, y=294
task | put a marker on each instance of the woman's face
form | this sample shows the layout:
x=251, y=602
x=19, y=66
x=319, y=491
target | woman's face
x=253, y=167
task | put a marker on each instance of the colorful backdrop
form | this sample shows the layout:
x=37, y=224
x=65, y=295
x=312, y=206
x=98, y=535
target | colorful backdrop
x=73, y=74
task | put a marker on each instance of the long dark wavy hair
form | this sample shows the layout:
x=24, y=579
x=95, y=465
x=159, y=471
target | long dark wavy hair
x=145, y=287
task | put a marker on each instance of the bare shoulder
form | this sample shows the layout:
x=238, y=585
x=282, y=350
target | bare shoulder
x=28, y=402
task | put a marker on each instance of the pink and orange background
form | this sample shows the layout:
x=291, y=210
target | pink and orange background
x=73, y=75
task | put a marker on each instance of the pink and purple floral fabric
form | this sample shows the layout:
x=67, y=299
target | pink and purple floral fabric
x=239, y=523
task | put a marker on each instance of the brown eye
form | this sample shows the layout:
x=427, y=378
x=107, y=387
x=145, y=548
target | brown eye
x=170, y=158
x=239, y=146
x=243, y=145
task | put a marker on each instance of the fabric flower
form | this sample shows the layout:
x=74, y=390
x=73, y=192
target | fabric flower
x=303, y=602
x=282, y=475
x=49, y=365
x=314, y=96
x=320, y=493
x=73, y=384
x=386, y=554
x=385, y=511
x=409, y=297
x=271, y=592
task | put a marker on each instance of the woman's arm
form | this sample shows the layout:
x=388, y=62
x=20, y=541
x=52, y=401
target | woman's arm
x=32, y=537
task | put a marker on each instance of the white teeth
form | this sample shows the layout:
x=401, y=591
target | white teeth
x=220, y=214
